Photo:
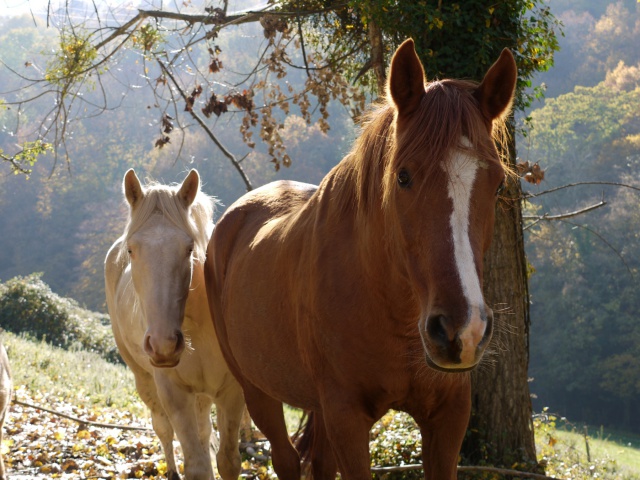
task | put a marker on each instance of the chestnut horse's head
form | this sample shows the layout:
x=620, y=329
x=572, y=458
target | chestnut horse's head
x=167, y=234
x=440, y=186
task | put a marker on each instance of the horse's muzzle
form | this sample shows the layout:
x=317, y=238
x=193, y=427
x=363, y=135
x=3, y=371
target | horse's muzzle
x=164, y=352
x=450, y=348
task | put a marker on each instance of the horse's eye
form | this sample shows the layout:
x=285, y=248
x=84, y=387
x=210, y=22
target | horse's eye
x=129, y=251
x=404, y=178
x=500, y=189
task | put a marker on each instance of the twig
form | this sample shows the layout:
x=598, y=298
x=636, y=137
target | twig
x=501, y=471
x=207, y=130
x=304, y=53
x=603, y=240
x=569, y=185
x=586, y=443
x=80, y=420
x=562, y=216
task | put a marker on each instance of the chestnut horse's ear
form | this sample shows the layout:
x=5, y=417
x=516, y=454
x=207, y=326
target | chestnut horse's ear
x=189, y=188
x=406, y=78
x=133, y=190
x=495, y=93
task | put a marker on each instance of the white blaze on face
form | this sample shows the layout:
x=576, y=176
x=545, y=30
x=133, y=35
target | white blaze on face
x=461, y=172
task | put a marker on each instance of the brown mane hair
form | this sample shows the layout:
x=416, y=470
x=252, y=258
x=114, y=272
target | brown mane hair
x=447, y=112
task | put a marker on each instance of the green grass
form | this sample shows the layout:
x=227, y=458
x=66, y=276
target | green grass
x=603, y=446
x=87, y=380
x=79, y=377
x=570, y=453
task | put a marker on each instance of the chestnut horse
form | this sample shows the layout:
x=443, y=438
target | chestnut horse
x=158, y=306
x=365, y=293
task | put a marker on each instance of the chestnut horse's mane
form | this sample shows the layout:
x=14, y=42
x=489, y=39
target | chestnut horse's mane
x=196, y=220
x=447, y=112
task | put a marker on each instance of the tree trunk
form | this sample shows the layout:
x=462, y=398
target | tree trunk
x=377, y=56
x=501, y=429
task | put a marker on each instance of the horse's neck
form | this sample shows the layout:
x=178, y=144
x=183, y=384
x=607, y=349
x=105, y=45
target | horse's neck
x=355, y=231
x=338, y=237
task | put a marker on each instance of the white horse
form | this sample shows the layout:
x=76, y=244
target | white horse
x=160, y=317
x=5, y=396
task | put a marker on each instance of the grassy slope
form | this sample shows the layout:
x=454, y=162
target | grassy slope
x=86, y=380
x=80, y=377
x=626, y=457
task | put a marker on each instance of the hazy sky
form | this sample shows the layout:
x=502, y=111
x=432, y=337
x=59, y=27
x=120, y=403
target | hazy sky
x=39, y=7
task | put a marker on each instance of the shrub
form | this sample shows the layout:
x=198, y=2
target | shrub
x=28, y=306
x=396, y=440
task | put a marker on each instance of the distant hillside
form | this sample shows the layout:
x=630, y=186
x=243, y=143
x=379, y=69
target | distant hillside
x=585, y=334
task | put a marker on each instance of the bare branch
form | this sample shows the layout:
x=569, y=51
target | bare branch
x=500, y=471
x=105, y=42
x=80, y=420
x=605, y=241
x=561, y=216
x=122, y=30
x=569, y=185
x=304, y=53
x=206, y=128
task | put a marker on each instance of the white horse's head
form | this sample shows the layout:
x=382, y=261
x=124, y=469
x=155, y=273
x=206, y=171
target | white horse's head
x=166, y=236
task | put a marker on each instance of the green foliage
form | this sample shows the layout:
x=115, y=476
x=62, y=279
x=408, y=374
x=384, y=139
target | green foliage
x=578, y=130
x=396, y=440
x=566, y=452
x=454, y=39
x=461, y=39
x=28, y=306
x=73, y=59
x=585, y=334
x=147, y=38
x=560, y=445
x=26, y=157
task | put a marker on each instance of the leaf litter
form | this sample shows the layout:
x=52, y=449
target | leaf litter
x=39, y=444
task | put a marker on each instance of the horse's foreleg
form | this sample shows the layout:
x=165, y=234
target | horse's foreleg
x=164, y=430
x=161, y=425
x=443, y=428
x=347, y=429
x=208, y=438
x=268, y=416
x=180, y=406
x=323, y=461
x=229, y=409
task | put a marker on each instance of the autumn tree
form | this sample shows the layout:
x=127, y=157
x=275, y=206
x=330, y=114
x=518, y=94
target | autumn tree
x=201, y=75
x=198, y=68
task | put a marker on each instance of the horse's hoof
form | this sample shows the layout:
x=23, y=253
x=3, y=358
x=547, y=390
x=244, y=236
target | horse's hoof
x=171, y=475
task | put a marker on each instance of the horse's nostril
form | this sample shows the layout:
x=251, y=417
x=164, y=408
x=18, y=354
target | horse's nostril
x=148, y=348
x=179, y=342
x=488, y=332
x=436, y=328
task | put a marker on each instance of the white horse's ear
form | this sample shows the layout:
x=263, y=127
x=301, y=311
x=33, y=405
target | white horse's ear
x=190, y=187
x=133, y=190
